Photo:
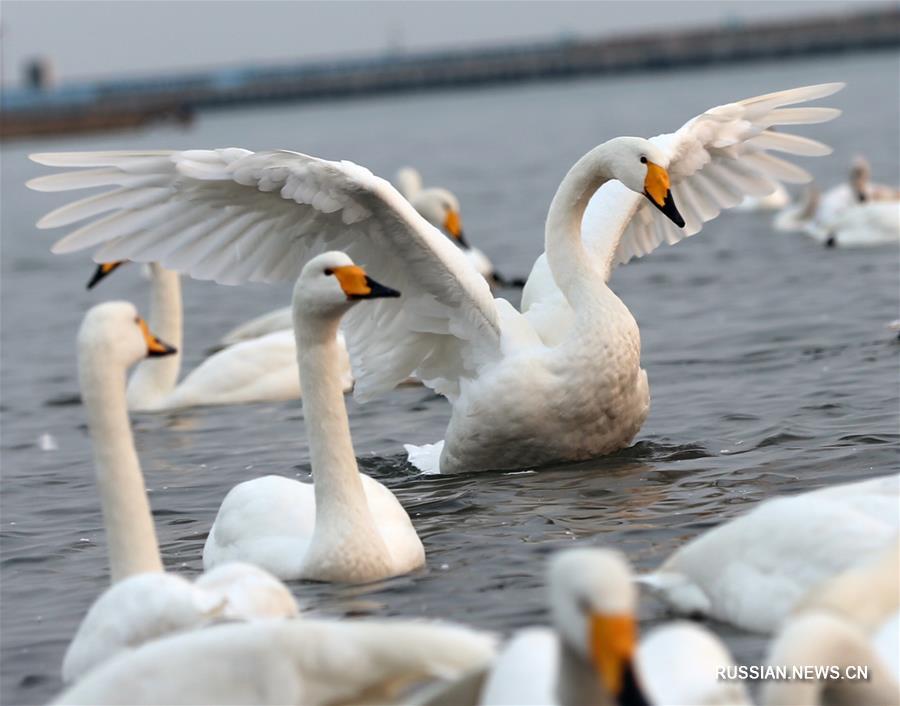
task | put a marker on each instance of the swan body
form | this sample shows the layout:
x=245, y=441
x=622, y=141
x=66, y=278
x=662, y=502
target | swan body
x=278, y=662
x=276, y=320
x=516, y=380
x=754, y=570
x=143, y=603
x=345, y=526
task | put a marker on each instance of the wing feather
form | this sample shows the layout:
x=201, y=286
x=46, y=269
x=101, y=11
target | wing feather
x=715, y=160
x=232, y=215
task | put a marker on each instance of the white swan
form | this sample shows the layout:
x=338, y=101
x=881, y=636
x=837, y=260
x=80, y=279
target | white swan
x=281, y=662
x=260, y=369
x=857, y=213
x=345, y=526
x=276, y=320
x=754, y=570
x=821, y=642
x=560, y=382
x=440, y=207
x=591, y=655
x=143, y=603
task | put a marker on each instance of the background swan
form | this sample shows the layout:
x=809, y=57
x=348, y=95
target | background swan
x=753, y=570
x=345, y=526
x=143, y=603
x=440, y=207
x=779, y=198
x=279, y=662
x=560, y=381
x=259, y=369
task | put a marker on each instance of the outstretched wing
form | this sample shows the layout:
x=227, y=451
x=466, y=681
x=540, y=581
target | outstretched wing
x=715, y=160
x=231, y=215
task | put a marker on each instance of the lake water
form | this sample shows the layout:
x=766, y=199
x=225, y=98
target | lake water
x=770, y=366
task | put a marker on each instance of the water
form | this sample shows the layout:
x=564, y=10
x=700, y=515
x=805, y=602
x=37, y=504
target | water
x=770, y=367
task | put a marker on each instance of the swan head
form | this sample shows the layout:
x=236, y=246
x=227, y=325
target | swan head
x=592, y=601
x=331, y=283
x=115, y=333
x=643, y=167
x=441, y=208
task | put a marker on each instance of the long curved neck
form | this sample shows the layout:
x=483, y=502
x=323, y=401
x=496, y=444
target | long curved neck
x=154, y=379
x=130, y=533
x=569, y=260
x=342, y=511
x=577, y=684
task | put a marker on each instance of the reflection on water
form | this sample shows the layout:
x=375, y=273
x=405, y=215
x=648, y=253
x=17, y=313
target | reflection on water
x=770, y=368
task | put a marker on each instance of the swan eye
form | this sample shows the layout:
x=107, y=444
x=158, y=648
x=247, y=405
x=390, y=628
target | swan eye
x=584, y=606
x=137, y=320
x=329, y=271
x=643, y=159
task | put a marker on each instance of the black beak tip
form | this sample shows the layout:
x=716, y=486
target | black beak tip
x=668, y=208
x=462, y=241
x=98, y=275
x=379, y=291
x=167, y=350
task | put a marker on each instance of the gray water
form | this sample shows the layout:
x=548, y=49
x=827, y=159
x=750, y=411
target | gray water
x=770, y=367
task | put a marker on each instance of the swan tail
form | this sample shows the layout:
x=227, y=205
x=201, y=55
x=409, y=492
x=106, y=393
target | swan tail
x=427, y=458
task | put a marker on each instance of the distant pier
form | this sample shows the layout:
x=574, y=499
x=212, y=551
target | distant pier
x=112, y=104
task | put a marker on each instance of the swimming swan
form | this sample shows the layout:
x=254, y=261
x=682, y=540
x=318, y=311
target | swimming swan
x=754, y=570
x=440, y=207
x=344, y=526
x=591, y=654
x=281, y=662
x=144, y=602
x=261, y=369
x=561, y=381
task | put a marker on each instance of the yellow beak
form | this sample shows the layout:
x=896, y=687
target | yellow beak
x=358, y=285
x=452, y=224
x=613, y=639
x=656, y=183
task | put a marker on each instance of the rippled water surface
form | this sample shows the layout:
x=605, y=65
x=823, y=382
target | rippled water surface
x=769, y=363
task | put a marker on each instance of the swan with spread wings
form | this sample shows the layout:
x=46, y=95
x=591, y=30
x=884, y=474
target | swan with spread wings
x=559, y=381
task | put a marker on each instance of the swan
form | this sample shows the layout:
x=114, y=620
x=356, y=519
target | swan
x=440, y=207
x=279, y=662
x=144, y=602
x=826, y=641
x=857, y=213
x=591, y=654
x=754, y=570
x=559, y=381
x=345, y=526
x=261, y=369
x=276, y=320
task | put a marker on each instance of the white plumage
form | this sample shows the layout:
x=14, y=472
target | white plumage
x=754, y=570
x=517, y=382
x=281, y=662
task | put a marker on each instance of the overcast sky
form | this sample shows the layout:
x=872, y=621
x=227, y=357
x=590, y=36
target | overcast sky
x=101, y=39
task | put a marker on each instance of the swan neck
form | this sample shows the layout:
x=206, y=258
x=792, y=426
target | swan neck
x=340, y=499
x=156, y=378
x=577, y=683
x=567, y=257
x=130, y=533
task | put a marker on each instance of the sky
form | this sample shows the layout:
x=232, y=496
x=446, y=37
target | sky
x=93, y=39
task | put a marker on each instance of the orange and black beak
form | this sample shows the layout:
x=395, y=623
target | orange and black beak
x=613, y=642
x=102, y=270
x=155, y=347
x=656, y=188
x=358, y=285
x=453, y=225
